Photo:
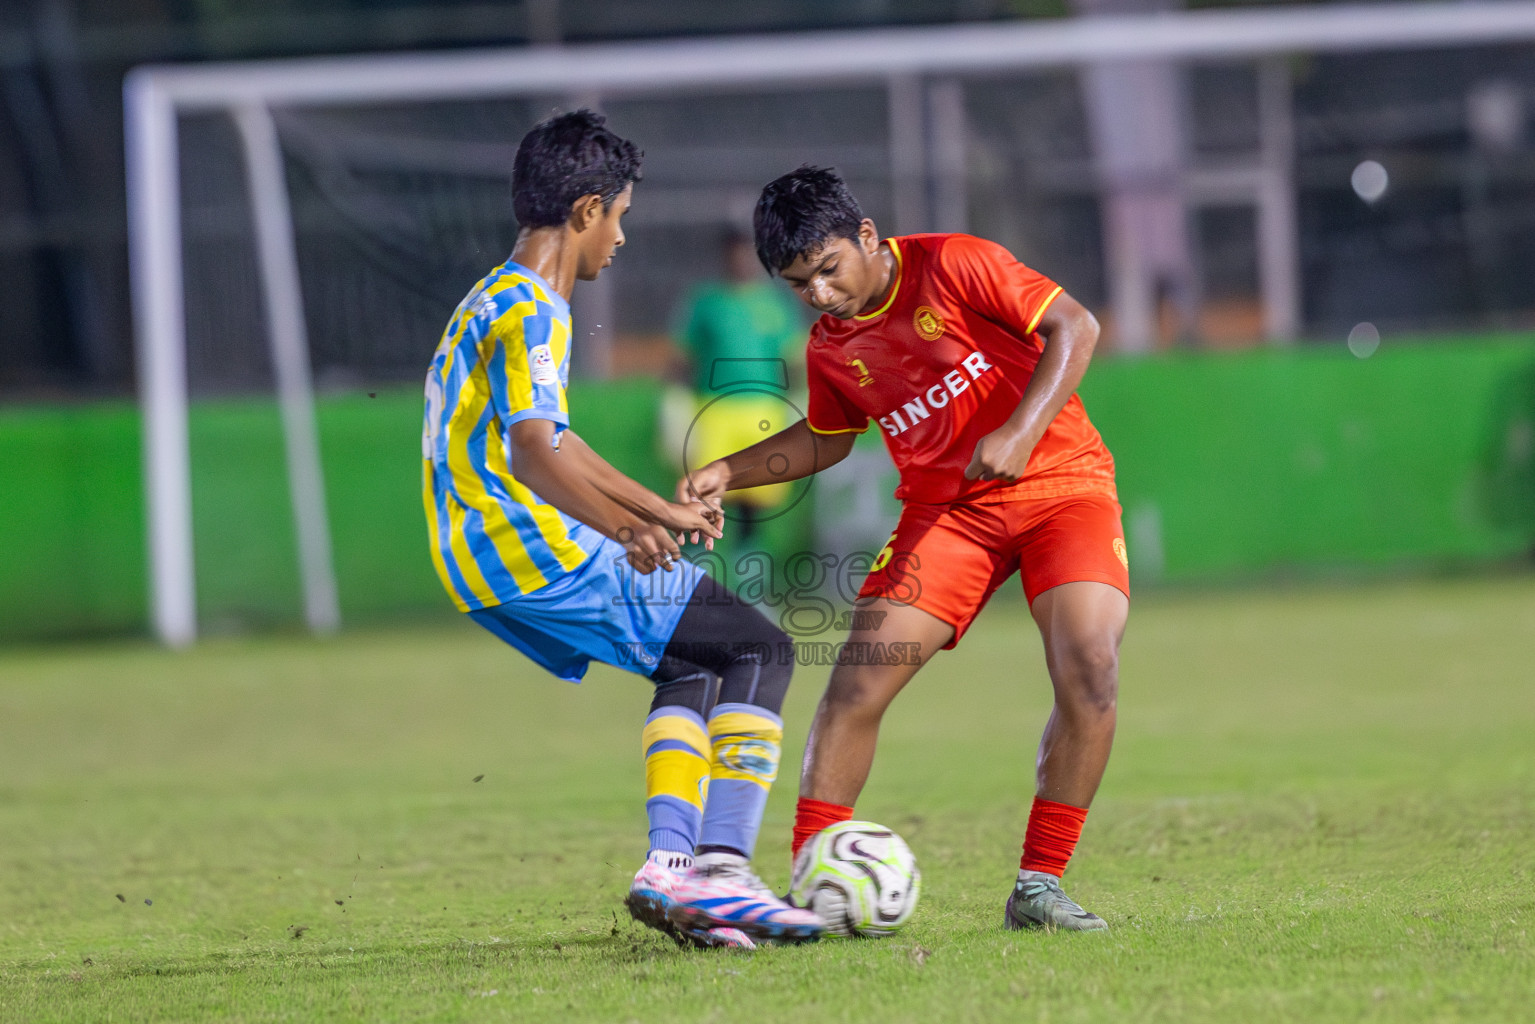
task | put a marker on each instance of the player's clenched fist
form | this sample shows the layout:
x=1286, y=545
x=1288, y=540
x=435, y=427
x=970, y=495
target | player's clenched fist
x=1000, y=455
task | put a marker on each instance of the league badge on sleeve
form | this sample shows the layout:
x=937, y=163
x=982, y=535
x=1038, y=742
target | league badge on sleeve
x=541, y=365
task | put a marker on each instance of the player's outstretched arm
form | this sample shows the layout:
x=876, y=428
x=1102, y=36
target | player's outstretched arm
x=1070, y=334
x=792, y=453
x=631, y=494
x=562, y=482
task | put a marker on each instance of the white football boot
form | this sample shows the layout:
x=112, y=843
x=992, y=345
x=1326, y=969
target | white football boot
x=650, y=894
x=651, y=897
x=722, y=892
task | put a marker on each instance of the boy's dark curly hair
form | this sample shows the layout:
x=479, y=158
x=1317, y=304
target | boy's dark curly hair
x=567, y=157
x=800, y=212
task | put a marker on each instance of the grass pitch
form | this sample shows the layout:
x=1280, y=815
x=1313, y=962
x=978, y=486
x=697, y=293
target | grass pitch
x=1321, y=807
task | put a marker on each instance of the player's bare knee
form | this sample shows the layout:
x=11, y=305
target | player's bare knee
x=1088, y=676
x=856, y=692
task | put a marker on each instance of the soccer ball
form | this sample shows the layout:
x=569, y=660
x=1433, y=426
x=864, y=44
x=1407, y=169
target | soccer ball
x=858, y=877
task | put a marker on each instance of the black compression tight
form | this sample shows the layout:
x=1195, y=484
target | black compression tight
x=721, y=638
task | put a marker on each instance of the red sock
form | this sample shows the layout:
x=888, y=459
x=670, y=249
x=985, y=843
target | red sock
x=810, y=816
x=1052, y=836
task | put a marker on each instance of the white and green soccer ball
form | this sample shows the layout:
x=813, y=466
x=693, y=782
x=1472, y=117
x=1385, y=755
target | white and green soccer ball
x=858, y=877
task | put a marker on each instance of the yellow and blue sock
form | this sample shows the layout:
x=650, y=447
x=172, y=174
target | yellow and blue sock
x=747, y=742
x=677, y=759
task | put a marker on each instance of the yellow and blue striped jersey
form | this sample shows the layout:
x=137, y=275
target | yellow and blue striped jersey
x=504, y=357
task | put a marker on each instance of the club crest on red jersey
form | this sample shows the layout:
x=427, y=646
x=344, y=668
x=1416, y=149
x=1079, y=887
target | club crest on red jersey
x=928, y=323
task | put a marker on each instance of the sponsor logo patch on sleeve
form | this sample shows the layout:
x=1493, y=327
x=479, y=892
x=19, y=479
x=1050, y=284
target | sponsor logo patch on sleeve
x=541, y=365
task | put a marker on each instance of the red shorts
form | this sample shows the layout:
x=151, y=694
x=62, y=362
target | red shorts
x=949, y=559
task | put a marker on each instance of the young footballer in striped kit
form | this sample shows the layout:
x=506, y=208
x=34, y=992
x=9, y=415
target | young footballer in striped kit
x=539, y=540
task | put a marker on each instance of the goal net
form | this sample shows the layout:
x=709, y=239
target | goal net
x=307, y=224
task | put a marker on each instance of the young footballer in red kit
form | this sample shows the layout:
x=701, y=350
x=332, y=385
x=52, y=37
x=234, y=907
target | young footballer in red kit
x=968, y=363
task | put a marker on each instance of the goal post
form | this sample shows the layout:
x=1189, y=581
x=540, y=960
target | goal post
x=905, y=62
x=277, y=258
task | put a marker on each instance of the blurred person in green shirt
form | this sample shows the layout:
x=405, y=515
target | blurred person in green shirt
x=744, y=339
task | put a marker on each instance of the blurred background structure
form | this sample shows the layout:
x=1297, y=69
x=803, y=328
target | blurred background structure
x=1252, y=221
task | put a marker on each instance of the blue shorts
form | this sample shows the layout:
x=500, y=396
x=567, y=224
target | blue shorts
x=604, y=611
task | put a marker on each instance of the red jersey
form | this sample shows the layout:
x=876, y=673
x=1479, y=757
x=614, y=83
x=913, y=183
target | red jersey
x=942, y=364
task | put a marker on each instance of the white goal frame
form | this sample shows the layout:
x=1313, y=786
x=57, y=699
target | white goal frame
x=154, y=97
